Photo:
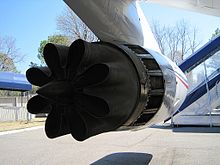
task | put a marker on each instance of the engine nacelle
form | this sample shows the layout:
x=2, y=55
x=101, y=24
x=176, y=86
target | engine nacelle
x=91, y=88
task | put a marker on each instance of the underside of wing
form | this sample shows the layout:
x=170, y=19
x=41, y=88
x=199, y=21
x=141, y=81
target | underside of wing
x=210, y=7
x=115, y=21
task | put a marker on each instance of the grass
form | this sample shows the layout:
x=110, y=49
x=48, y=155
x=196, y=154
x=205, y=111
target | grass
x=14, y=125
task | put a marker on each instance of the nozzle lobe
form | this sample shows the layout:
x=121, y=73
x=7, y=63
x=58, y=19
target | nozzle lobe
x=57, y=91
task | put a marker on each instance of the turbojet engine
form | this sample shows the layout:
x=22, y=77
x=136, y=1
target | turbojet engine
x=91, y=88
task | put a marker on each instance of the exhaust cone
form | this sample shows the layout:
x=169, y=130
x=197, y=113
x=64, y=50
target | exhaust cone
x=87, y=89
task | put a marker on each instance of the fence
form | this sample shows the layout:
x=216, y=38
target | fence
x=13, y=109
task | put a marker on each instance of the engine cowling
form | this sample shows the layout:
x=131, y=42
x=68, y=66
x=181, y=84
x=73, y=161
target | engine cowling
x=91, y=88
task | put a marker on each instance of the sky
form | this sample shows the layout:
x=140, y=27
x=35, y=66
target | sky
x=30, y=22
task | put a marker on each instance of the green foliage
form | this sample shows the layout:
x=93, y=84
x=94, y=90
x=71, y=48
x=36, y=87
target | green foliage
x=34, y=89
x=4, y=93
x=9, y=54
x=216, y=33
x=55, y=39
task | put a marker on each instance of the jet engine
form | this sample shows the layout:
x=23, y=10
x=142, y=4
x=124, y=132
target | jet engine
x=91, y=88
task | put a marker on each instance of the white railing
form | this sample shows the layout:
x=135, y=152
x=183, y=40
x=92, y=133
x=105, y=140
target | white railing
x=13, y=109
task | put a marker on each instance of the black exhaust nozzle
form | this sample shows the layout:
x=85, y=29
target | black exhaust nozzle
x=87, y=89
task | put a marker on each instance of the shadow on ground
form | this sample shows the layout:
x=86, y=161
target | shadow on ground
x=162, y=126
x=125, y=158
x=188, y=129
x=198, y=129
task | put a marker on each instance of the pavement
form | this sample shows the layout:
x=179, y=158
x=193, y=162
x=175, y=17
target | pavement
x=157, y=145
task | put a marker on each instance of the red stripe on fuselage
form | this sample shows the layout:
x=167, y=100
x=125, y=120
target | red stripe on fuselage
x=182, y=81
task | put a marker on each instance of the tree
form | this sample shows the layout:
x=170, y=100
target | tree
x=9, y=54
x=212, y=64
x=6, y=63
x=72, y=26
x=216, y=33
x=214, y=61
x=176, y=41
x=55, y=39
x=160, y=35
x=34, y=89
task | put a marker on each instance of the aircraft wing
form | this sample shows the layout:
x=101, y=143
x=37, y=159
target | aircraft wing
x=210, y=7
x=115, y=21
